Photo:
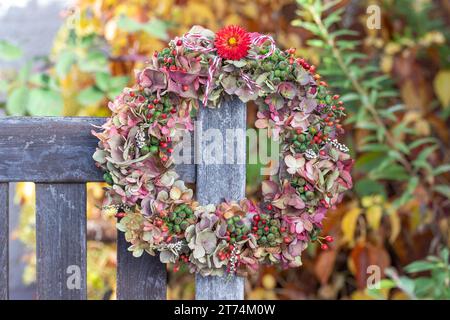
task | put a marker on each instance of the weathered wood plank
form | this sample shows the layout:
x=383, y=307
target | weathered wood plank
x=216, y=182
x=61, y=241
x=54, y=149
x=4, y=241
x=143, y=278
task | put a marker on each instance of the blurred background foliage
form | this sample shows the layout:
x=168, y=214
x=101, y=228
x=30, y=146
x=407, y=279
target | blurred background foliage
x=393, y=80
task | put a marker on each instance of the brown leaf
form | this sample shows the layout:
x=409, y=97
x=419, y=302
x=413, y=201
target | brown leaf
x=364, y=255
x=324, y=265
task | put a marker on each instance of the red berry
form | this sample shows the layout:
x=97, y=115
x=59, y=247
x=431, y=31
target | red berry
x=266, y=229
x=164, y=116
x=170, y=150
x=299, y=131
x=329, y=239
x=150, y=106
x=324, y=246
x=256, y=217
x=173, y=68
x=269, y=207
x=282, y=229
x=335, y=97
x=164, y=158
x=185, y=87
x=287, y=240
x=179, y=42
x=155, y=101
x=163, y=144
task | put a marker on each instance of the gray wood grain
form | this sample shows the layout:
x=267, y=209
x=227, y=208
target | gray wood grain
x=216, y=182
x=143, y=278
x=61, y=241
x=54, y=149
x=4, y=241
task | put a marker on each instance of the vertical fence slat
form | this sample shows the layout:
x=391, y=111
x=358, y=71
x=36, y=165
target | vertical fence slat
x=143, y=278
x=216, y=182
x=4, y=241
x=61, y=241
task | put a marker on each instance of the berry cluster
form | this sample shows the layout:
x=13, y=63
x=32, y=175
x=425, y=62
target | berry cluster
x=305, y=190
x=237, y=230
x=179, y=219
x=267, y=230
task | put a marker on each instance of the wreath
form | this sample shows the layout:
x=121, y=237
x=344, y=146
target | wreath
x=156, y=210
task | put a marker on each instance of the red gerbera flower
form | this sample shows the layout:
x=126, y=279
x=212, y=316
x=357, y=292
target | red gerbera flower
x=232, y=42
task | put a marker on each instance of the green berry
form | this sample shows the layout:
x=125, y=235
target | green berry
x=184, y=225
x=108, y=178
x=153, y=149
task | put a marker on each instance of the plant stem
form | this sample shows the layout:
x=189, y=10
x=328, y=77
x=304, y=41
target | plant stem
x=369, y=106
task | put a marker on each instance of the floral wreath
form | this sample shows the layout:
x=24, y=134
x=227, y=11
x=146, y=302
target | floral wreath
x=157, y=211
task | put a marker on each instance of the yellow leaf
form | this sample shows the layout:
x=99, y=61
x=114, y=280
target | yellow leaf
x=268, y=281
x=373, y=215
x=395, y=226
x=360, y=295
x=440, y=85
x=348, y=225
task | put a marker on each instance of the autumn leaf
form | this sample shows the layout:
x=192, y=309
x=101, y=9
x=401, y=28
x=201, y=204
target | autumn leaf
x=373, y=216
x=440, y=85
x=395, y=226
x=348, y=225
x=325, y=265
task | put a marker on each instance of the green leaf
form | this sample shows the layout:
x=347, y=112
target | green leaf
x=315, y=43
x=64, y=63
x=419, y=142
x=369, y=161
x=154, y=27
x=16, y=104
x=45, y=103
x=24, y=73
x=119, y=82
x=367, y=187
x=350, y=97
x=392, y=172
x=94, y=61
x=90, y=96
x=441, y=169
x=443, y=189
x=419, y=266
x=9, y=51
x=425, y=153
x=102, y=80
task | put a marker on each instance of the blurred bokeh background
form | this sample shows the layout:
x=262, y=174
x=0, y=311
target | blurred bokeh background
x=389, y=60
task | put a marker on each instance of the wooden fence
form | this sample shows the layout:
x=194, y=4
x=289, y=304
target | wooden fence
x=56, y=154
